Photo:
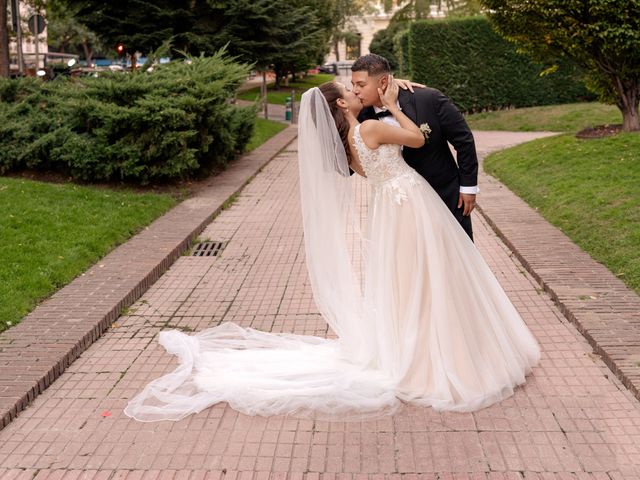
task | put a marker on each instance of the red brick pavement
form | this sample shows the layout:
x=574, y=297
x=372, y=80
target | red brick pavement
x=573, y=420
x=36, y=351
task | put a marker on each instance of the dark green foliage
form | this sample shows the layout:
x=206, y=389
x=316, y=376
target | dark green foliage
x=146, y=126
x=383, y=44
x=479, y=70
x=65, y=33
x=141, y=25
x=291, y=35
x=401, y=50
x=601, y=36
x=284, y=33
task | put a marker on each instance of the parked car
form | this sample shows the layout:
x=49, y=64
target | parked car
x=328, y=68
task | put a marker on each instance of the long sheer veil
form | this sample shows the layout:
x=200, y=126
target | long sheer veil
x=330, y=223
x=263, y=373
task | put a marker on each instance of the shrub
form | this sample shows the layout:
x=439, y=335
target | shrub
x=168, y=122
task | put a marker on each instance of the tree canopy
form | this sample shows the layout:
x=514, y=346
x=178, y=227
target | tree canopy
x=66, y=34
x=602, y=36
x=287, y=34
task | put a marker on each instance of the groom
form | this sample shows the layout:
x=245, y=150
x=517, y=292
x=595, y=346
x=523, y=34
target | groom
x=456, y=183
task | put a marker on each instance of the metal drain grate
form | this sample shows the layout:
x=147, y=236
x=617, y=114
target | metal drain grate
x=208, y=249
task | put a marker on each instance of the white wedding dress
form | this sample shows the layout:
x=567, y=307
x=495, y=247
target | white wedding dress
x=433, y=326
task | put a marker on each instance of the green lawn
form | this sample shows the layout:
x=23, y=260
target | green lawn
x=265, y=129
x=279, y=96
x=556, y=118
x=587, y=188
x=51, y=232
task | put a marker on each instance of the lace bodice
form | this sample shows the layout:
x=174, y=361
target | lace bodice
x=385, y=167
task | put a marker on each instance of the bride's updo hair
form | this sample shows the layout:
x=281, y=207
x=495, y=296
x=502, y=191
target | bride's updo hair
x=332, y=92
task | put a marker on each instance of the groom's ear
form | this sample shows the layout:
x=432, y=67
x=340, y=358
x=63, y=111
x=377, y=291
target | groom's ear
x=383, y=81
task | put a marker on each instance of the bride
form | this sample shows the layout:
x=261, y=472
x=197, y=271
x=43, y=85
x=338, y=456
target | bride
x=428, y=324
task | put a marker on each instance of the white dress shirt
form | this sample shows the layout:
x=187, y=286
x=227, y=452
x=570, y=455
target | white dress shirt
x=390, y=119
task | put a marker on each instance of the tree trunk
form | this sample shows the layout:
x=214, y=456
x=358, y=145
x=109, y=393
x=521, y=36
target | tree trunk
x=4, y=40
x=278, y=71
x=628, y=99
x=263, y=94
x=133, y=62
x=336, y=45
x=630, y=119
x=87, y=51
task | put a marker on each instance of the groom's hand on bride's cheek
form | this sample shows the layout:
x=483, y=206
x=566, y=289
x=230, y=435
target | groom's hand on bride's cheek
x=409, y=85
x=469, y=202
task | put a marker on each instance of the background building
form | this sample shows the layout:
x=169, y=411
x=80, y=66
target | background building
x=29, y=47
x=363, y=29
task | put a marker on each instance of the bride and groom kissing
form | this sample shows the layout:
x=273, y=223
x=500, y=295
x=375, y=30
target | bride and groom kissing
x=455, y=183
x=427, y=324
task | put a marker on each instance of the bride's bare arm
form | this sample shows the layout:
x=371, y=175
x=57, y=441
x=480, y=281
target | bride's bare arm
x=375, y=133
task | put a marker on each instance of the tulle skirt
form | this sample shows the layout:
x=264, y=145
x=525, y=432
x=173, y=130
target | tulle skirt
x=446, y=329
x=437, y=330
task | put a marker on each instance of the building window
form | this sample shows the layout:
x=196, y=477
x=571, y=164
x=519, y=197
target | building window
x=353, y=42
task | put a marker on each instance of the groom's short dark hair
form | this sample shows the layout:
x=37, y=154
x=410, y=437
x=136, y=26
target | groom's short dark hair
x=371, y=63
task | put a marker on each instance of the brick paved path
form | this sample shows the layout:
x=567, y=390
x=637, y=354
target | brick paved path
x=573, y=420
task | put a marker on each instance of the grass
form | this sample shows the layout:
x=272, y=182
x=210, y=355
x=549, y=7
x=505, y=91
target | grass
x=555, y=118
x=50, y=233
x=265, y=129
x=587, y=188
x=279, y=96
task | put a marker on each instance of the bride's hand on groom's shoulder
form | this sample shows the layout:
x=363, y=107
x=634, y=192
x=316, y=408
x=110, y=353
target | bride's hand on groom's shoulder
x=408, y=84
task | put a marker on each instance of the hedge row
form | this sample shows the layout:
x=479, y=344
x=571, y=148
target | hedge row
x=479, y=70
x=157, y=124
x=401, y=48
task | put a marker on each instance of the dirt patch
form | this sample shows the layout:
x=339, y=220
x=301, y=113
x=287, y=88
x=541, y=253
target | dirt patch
x=599, y=131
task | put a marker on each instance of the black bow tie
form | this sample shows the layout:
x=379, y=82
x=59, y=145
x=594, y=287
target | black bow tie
x=383, y=113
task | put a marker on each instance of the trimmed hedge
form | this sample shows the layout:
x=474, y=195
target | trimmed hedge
x=169, y=122
x=401, y=49
x=479, y=70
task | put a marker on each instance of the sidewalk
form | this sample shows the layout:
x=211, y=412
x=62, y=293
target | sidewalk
x=573, y=420
x=275, y=111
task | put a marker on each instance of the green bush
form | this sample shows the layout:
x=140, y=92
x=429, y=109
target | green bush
x=401, y=50
x=383, y=44
x=169, y=122
x=479, y=70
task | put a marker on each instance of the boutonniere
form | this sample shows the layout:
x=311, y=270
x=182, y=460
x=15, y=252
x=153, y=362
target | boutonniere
x=426, y=131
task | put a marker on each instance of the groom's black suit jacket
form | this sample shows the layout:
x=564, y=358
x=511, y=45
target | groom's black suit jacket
x=434, y=161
